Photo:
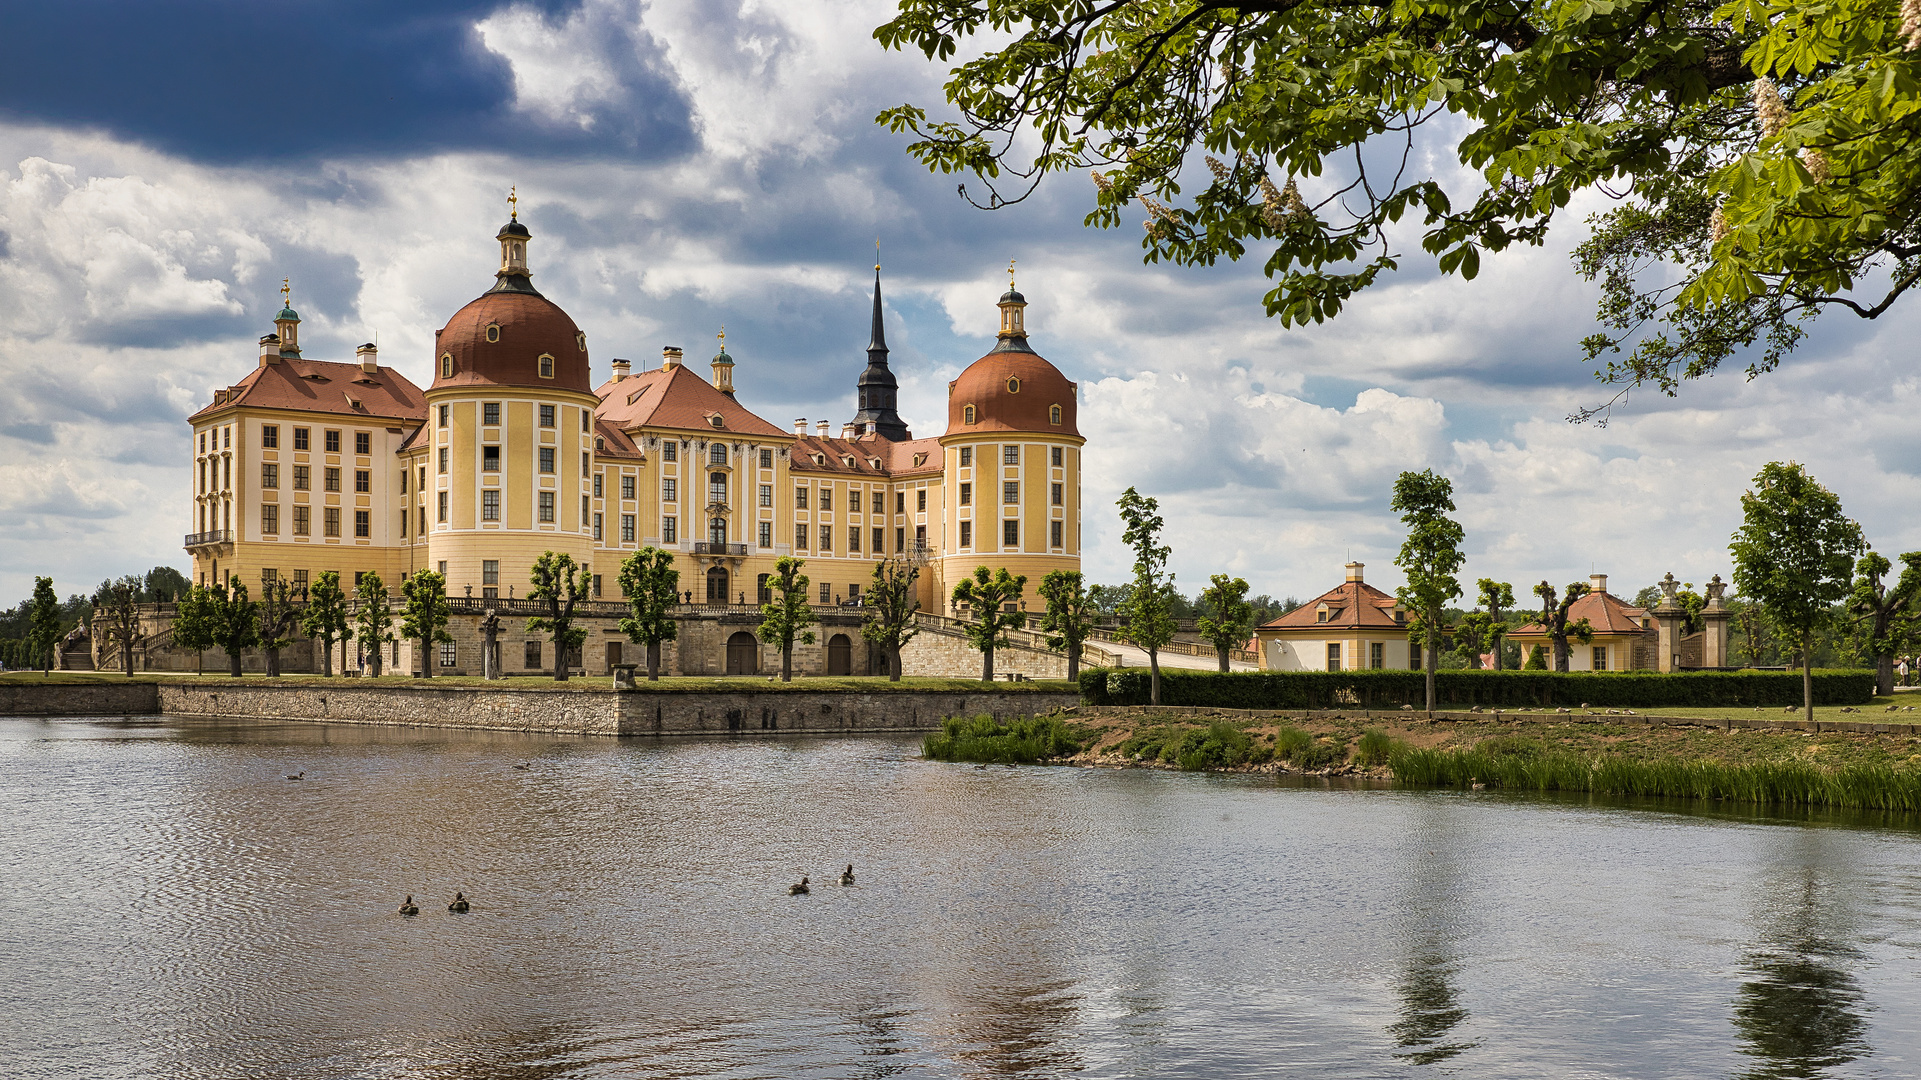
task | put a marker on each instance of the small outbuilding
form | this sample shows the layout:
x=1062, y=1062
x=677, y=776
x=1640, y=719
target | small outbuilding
x=1349, y=627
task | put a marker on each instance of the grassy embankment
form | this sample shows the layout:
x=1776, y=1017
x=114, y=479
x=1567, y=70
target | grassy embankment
x=1589, y=754
x=674, y=684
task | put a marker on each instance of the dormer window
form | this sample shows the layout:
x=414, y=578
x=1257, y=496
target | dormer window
x=1013, y=385
x=967, y=414
x=919, y=460
x=1321, y=613
x=716, y=420
x=635, y=396
x=1054, y=415
x=873, y=463
x=848, y=461
x=600, y=443
x=493, y=332
x=546, y=366
x=446, y=365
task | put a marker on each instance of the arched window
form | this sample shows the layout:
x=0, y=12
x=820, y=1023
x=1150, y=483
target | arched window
x=717, y=453
x=493, y=331
x=967, y=415
x=446, y=365
x=1054, y=415
x=546, y=366
x=1013, y=385
x=580, y=340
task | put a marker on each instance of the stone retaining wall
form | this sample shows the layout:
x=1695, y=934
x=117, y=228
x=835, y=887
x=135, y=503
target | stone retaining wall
x=1865, y=726
x=130, y=698
x=677, y=713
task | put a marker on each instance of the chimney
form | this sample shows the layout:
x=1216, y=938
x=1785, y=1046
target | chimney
x=1354, y=571
x=847, y=431
x=1598, y=582
x=369, y=357
x=800, y=425
x=825, y=429
x=670, y=358
x=622, y=368
x=270, y=350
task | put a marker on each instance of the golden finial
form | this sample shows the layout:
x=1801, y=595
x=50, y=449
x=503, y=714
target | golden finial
x=286, y=292
x=723, y=337
x=513, y=203
x=877, y=253
x=1010, y=275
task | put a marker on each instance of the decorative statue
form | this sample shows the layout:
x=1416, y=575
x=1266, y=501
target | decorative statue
x=489, y=651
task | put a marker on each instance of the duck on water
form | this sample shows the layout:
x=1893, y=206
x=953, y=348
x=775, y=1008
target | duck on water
x=460, y=903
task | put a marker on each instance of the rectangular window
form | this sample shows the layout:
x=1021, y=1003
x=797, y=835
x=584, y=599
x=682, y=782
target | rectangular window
x=443, y=460
x=766, y=459
x=626, y=487
x=270, y=436
x=1376, y=655
x=403, y=524
x=490, y=413
x=920, y=501
x=270, y=519
x=1600, y=658
x=490, y=459
x=403, y=481
x=880, y=540
x=586, y=507
x=586, y=421
x=800, y=498
x=422, y=531
x=626, y=528
x=1054, y=534
x=443, y=416
x=717, y=488
x=490, y=505
x=547, y=459
x=300, y=580
x=596, y=586
x=670, y=490
x=300, y=438
x=586, y=464
x=443, y=506
x=490, y=571
x=363, y=480
x=853, y=592
x=900, y=539
x=826, y=593
x=226, y=437
x=332, y=442
x=670, y=450
x=1011, y=492
x=547, y=506
x=363, y=442
x=597, y=488
x=423, y=478
x=900, y=502
x=766, y=534
x=1011, y=454
x=1010, y=533
x=446, y=654
x=1060, y=493
x=920, y=536
x=669, y=531
x=967, y=457
x=363, y=523
x=330, y=478
x=767, y=494
x=530, y=658
x=880, y=503
x=1057, y=457
x=300, y=521
x=1333, y=656
x=826, y=498
x=967, y=534
x=330, y=523
x=853, y=539
x=800, y=537
x=546, y=416
x=826, y=538
x=967, y=494
x=269, y=475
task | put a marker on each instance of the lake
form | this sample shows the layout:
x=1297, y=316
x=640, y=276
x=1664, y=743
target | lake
x=172, y=905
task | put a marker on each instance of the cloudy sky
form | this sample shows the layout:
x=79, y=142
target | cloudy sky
x=690, y=164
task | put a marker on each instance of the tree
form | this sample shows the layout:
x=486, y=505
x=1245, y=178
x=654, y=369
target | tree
x=651, y=585
x=325, y=617
x=43, y=622
x=117, y=605
x=424, y=618
x=1232, y=619
x=1150, y=623
x=1554, y=619
x=373, y=622
x=560, y=583
x=990, y=595
x=278, y=619
x=1887, y=615
x=1793, y=553
x=889, y=605
x=1431, y=554
x=1752, y=631
x=1496, y=597
x=1736, y=218
x=1476, y=633
x=1069, y=617
x=785, y=619
x=164, y=585
x=193, y=624
x=1536, y=659
x=233, y=621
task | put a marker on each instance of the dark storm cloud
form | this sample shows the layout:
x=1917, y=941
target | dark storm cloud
x=241, y=80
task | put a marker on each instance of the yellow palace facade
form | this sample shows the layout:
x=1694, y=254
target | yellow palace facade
x=513, y=449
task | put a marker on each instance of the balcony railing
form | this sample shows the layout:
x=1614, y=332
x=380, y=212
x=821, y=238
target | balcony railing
x=710, y=547
x=221, y=536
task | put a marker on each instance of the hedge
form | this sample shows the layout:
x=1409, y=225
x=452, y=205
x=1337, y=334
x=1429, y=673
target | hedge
x=1378, y=689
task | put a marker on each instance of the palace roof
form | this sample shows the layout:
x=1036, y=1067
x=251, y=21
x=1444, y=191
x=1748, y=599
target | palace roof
x=324, y=387
x=1608, y=614
x=1011, y=390
x=1353, y=605
x=676, y=398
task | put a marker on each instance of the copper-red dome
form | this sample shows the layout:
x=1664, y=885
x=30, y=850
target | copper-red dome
x=499, y=340
x=1011, y=389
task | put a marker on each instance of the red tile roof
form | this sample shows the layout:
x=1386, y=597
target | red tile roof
x=1353, y=605
x=615, y=443
x=324, y=387
x=679, y=399
x=1608, y=614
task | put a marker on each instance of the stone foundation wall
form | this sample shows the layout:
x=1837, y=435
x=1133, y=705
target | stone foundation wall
x=130, y=698
x=555, y=713
x=937, y=653
x=672, y=713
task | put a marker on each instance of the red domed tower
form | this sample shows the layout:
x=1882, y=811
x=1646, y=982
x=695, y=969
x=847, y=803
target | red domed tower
x=506, y=451
x=1013, y=454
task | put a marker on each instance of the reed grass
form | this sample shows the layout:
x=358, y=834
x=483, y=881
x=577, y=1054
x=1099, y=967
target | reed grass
x=985, y=739
x=1790, y=783
x=1373, y=748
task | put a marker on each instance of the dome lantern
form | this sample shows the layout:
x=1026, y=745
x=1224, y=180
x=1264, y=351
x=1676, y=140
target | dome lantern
x=514, y=275
x=723, y=367
x=287, y=323
x=1013, y=331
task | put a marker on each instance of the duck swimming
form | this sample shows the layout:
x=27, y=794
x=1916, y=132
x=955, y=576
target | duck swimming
x=847, y=875
x=799, y=888
x=408, y=907
x=459, y=904
x=301, y=775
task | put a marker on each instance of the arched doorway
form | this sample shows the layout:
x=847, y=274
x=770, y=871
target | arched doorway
x=840, y=655
x=743, y=654
x=717, y=585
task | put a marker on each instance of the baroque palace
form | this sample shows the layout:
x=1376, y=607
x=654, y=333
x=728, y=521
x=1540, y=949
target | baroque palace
x=305, y=466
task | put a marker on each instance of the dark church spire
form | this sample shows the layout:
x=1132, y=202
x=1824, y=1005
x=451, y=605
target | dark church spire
x=876, y=389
